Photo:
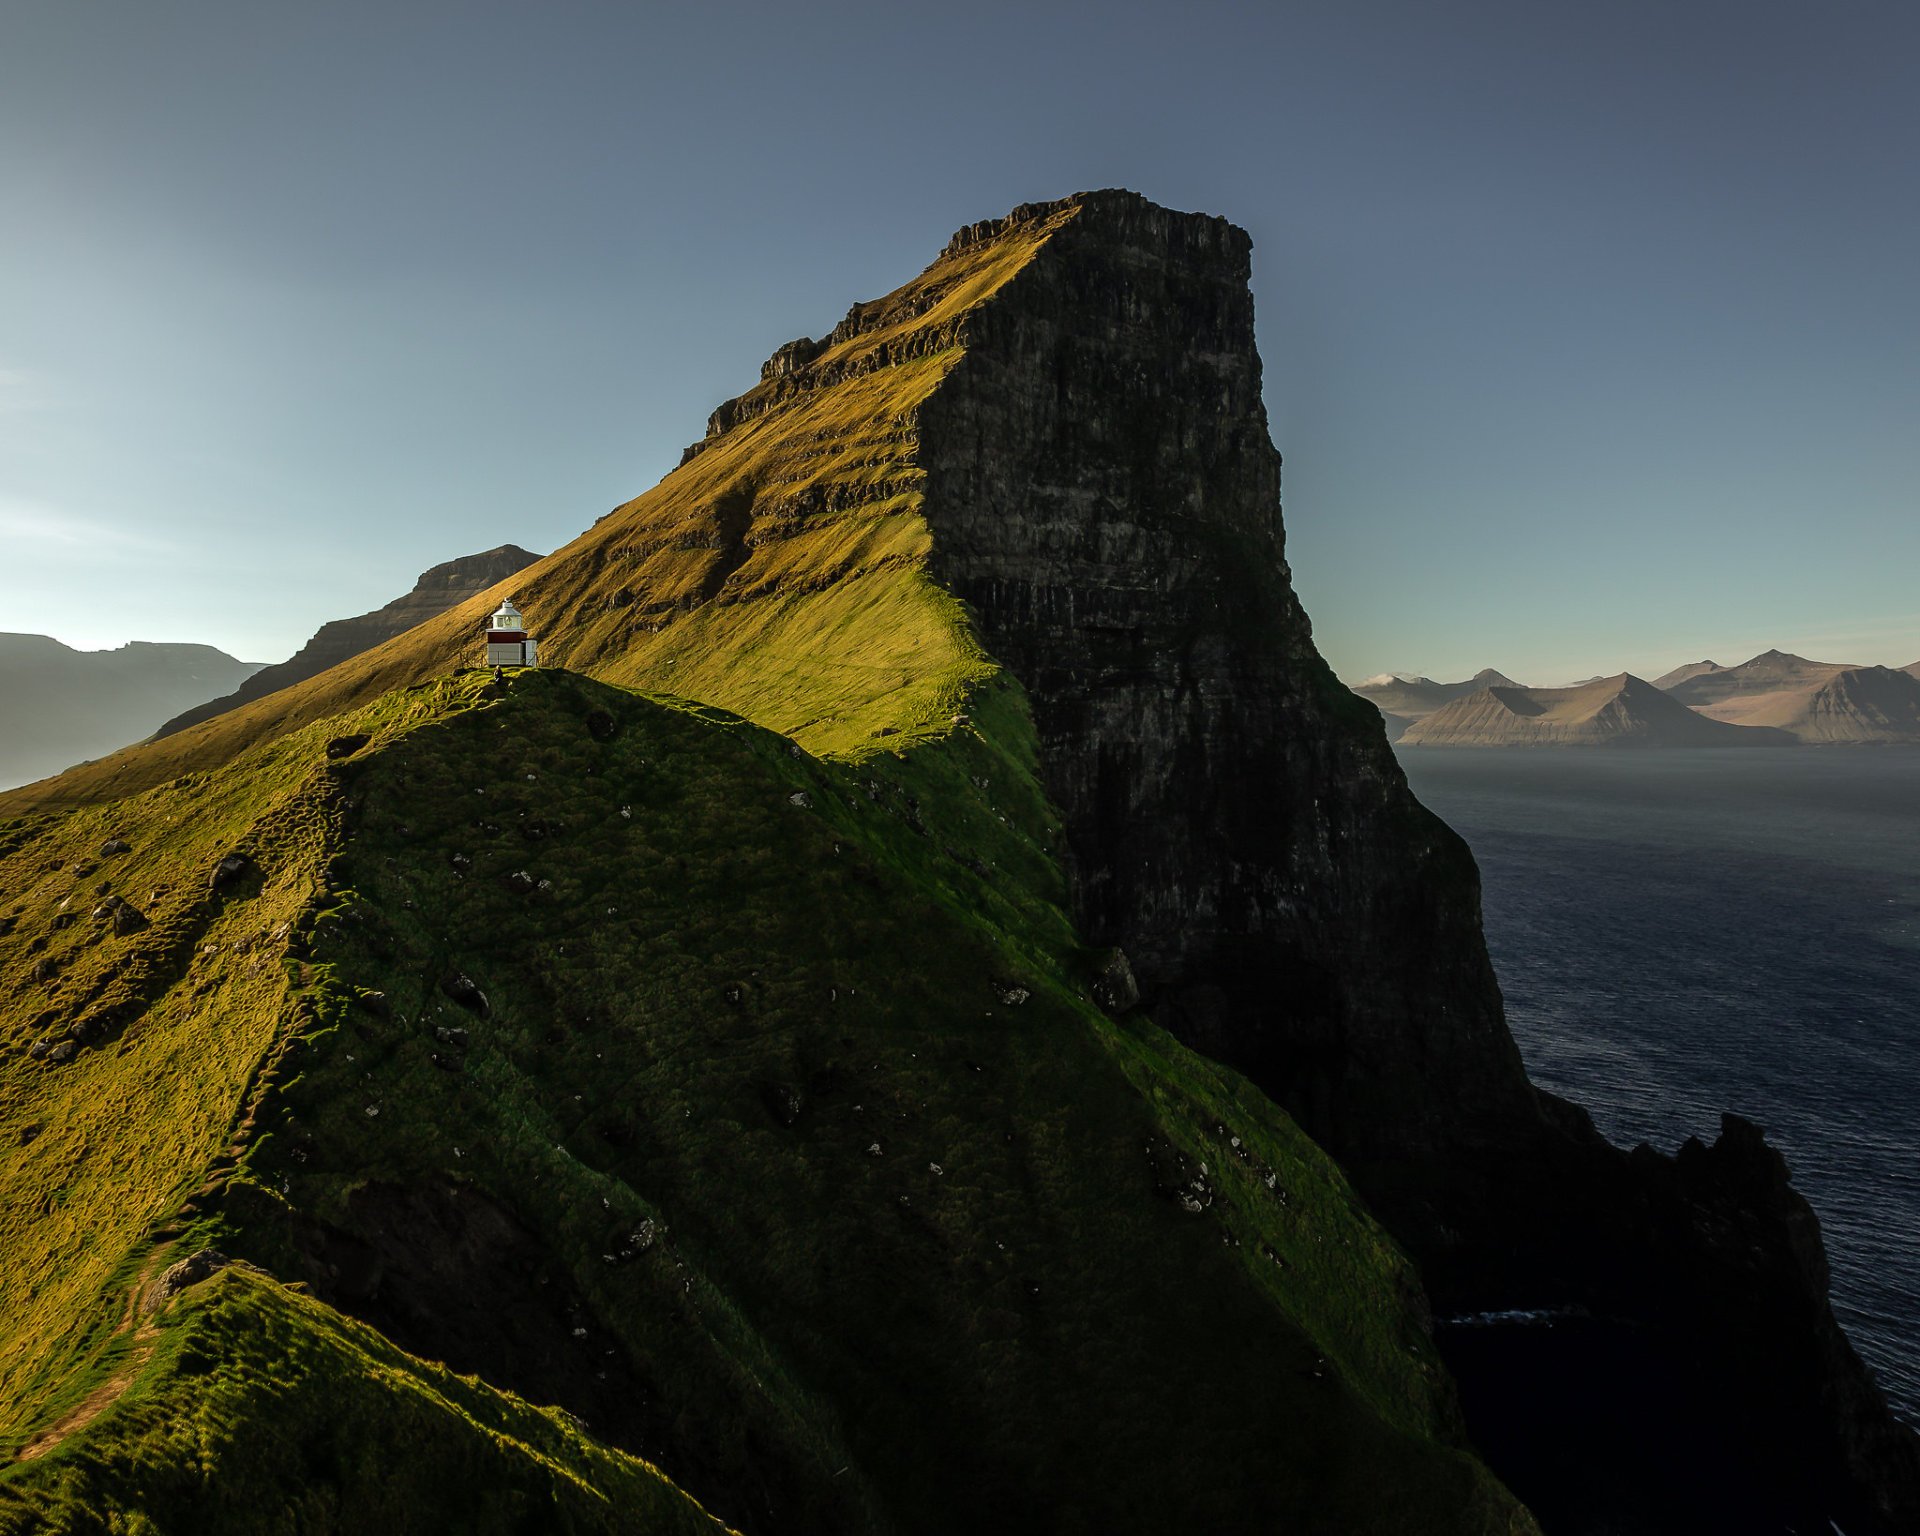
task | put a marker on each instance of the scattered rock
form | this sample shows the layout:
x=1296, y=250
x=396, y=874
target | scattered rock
x=64, y=1050
x=461, y=862
x=801, y=798
x=448, y=1036
x=346, y=746
x=375, y=1003
x=636, y=1242
x=521, y=883
x=38, y=1050
x=127, y=919
x=1114, y=988
x=228, y=870
x=784, y=1102
x=115, y=845
x=62, y=920
x=885, y=730
x=45, y=970
x=733, y=995
x=1011, y=993
x=465, y=991
x=188, y=1272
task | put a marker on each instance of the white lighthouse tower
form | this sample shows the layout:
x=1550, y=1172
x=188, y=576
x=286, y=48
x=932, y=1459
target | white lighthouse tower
x=508, y=643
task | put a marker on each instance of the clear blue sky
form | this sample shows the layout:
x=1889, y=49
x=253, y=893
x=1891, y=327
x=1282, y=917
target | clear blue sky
x=1590, y=329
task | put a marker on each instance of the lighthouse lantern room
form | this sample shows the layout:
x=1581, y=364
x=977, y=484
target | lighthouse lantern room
x=508, y=643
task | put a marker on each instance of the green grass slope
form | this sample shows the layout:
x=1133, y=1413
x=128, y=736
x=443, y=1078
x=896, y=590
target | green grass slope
x=263, y=1411
x=748, y=1105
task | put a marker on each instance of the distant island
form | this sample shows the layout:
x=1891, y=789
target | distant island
x=60, y=706
x=1774, y=699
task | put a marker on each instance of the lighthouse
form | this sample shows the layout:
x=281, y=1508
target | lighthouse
x=508, y=643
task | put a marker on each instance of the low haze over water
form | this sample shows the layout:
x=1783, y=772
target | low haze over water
x=1679, y=933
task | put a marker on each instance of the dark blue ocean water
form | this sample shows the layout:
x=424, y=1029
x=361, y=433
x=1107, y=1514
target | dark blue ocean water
x=1683, y=932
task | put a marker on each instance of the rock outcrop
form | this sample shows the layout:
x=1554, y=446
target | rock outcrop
x=445, y=586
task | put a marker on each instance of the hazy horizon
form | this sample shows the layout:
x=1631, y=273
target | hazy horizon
x=1589, y=336
x=1650, y=671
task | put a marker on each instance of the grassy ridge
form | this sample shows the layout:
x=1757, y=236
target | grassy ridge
x=174, y=1019
x=706, y=1003
x=715, y=1008
x=263, y=1411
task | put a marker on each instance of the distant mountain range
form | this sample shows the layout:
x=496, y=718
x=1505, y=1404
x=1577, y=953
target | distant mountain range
x=1774, y=699
x=1621, y=711
x=60, y=706
x=1403, y=698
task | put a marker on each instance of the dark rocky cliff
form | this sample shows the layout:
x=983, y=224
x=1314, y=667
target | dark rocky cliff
x=1103, y=491
x=442, y=587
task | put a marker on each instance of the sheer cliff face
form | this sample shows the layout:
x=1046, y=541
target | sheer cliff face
x=1103, y=491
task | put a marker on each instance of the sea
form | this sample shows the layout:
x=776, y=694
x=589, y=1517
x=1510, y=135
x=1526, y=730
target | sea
x=1683, y=932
